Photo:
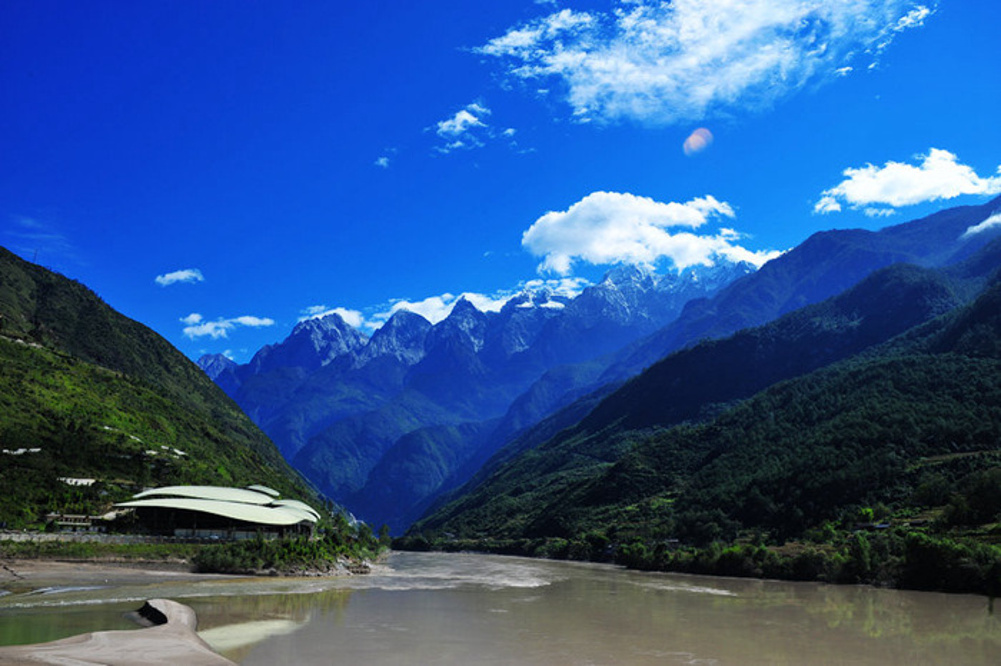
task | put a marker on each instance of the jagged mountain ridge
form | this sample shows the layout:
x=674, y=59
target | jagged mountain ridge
x=325, y=415
x=323, y=399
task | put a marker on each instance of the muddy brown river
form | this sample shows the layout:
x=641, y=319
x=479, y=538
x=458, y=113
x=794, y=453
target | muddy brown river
x=479, y=609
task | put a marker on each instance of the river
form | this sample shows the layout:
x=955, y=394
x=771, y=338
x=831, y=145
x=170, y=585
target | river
x=426, y=608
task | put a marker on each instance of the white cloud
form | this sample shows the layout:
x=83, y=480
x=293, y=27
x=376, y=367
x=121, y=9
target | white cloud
x=183, y=275
x=992, y=222
x=382, y=162
x=197, y=327
x=938, y=176
x=432, y=308
x=485, y=303
x=569, y=287
x=613, y=227
x=668, y=62
x=468, y=128
x=352, y=318
x=437, y=308
x=462, y=122
x=879, y=212
x=465, y=129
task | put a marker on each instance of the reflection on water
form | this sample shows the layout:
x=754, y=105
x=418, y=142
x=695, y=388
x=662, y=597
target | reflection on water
x=451, y=609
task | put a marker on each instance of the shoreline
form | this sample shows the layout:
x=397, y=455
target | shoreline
x=169, y=635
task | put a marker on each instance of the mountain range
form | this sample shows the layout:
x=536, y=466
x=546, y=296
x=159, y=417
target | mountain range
x=425, y=404
x=392, y=424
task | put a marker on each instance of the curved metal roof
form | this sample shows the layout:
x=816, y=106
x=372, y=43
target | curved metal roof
x=241, y=495
x=250, y=513
x=264, y=489
x=298, y=505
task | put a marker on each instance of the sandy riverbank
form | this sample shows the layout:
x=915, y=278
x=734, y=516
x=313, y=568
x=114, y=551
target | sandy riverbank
x=171, y=638
x=20, y=574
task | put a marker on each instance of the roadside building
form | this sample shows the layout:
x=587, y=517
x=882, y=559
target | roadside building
x=216, y=512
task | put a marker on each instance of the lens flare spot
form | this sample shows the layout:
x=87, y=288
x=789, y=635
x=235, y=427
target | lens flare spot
x=697, y=141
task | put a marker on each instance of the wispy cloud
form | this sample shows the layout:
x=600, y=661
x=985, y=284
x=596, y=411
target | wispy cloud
x=668, y=62
x=184, y=275
x=613, y=227
x=468, y=128
x=465, y=129
x=437, y=308
x=939, y=175
x=992, y=222
x=197, y=327
x=568, y=287
x=382, y=162
x=351, y=317
x=36, y=240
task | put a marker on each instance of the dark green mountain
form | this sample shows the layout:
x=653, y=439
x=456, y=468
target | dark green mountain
x=695, y=449
x=86, y=392
x=821, y=267
x=919, y=426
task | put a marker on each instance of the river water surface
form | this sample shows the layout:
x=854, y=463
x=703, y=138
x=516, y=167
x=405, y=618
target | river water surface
x=479, y=609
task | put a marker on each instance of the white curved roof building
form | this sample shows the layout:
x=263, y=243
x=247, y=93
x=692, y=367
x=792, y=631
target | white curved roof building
x=220, y=512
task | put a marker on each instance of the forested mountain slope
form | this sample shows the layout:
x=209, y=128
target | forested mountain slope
x=620, y=454
x=103, y=397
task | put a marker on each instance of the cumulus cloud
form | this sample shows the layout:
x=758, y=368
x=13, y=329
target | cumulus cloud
x=352, y=318
x=668, y=62
x=197, y=327
x=939, y=175
x=613, y=227
x=992, y=222
x=382, y=162
x=183, y=275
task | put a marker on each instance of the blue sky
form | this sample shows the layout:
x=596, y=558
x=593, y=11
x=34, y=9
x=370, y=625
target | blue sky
x=219, y=170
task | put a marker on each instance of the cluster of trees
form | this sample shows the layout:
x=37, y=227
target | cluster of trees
x=338, y=541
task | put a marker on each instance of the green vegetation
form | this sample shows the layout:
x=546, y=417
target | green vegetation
x=339, y=542
x=884, y=468
x=88, y=393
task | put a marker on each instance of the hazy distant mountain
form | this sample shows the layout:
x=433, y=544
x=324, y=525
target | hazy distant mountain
x=337, y=404
x=471, y=384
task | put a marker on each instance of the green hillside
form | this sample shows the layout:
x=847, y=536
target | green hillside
x=902, y=442
x=101, y=396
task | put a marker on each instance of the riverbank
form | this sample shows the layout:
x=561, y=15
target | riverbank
x=24, y=576
x=169, y=636
x=895, y=557
x=323, y=556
